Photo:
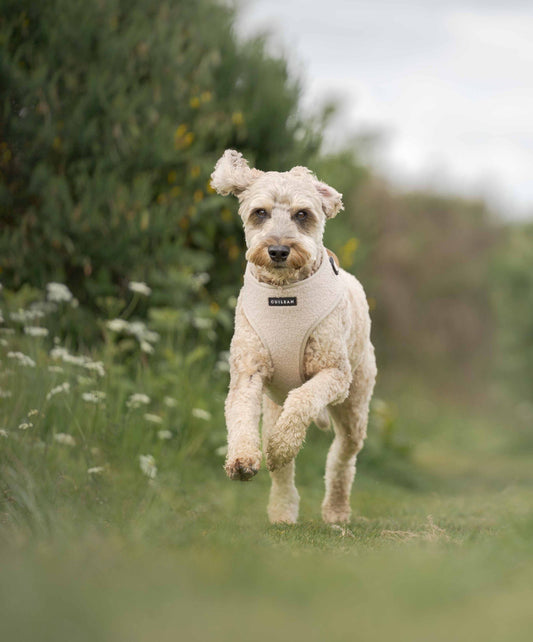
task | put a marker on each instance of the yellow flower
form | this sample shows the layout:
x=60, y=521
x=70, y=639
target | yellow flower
x=175, y=191
x=145, y=220
x=182, y=139
x=209, y=188
x=237, y=118
x=161, y=199
x=198, y=196
x=172, y=176
x=226, y=215
x=233, y=252
x=214, y=307
x=206, y=96
x=194, y=102
x=195, y=171
x=57, y=143
x=348, y=250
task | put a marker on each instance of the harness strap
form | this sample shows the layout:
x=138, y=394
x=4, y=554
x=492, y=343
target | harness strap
x=285, y=316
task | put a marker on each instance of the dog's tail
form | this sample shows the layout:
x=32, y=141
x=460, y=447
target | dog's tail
x=323, y=421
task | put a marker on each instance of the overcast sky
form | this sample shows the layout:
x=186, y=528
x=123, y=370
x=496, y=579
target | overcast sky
x=448, y=83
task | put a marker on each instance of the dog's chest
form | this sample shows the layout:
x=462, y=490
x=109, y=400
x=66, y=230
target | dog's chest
x=284, y=317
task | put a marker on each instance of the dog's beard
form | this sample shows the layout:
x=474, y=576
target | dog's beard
x=298, y=265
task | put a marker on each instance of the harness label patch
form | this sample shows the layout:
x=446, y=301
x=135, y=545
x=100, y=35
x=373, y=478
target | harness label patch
x=281, y=300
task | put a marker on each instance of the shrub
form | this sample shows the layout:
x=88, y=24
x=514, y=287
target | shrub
x=113, y=115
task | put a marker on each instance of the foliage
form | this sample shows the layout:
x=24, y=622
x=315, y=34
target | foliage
x=112, y=117
x=512, y=279
x=425, y=261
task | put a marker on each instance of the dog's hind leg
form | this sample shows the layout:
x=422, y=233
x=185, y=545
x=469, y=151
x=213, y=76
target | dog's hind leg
x=284, y=499
x=349, y=421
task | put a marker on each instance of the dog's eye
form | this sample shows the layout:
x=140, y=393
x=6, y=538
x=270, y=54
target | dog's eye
x=261, y=213
x=301, y=215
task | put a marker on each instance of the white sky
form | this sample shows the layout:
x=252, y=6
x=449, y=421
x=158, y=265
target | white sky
x=449, y=83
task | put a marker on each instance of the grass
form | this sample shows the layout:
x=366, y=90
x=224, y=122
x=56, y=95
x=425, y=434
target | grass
x=440, y=545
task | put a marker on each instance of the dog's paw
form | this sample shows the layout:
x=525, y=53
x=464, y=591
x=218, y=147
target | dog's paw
x=242, y=468
x=280, y=451
x=284, y=442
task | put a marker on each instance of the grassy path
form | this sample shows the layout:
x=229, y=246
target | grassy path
x=440, y=548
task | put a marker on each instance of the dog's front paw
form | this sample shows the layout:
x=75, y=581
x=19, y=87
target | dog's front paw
x=242, y=468
x=284, y=442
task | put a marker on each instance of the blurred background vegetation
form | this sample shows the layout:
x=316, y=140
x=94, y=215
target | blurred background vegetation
x=113, y=115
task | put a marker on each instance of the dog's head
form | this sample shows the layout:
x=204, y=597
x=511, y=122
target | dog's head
x=284, y=214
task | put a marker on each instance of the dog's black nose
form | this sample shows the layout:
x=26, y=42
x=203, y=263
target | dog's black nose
x=278, y=252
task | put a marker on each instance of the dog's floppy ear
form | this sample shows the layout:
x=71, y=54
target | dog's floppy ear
x=232, y=174
x=331, y=199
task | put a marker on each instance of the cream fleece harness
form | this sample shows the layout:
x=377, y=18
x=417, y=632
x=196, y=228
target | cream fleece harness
x=284, y=317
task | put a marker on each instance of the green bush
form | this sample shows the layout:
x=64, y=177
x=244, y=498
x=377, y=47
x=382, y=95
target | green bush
x=112, y=117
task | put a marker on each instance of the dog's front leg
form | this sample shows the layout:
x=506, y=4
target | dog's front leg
x=250, y=363
x=243, y=410
x=302, y=406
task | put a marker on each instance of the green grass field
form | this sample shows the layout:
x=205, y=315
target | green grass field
x=439, y=548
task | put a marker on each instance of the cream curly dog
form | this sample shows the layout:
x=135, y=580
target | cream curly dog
x=301, y=350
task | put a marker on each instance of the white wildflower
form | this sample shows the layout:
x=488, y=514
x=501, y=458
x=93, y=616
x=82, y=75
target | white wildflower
x=139, y=330
x=146, y=347
x=4, y=433
x=136, y=329
x=4, y=342
x=222, y=451
x=39, y=309
x=25, y=425
x=95, y=450
x=33, y=413
x=154, y=419
x=117, y=325
x=63, y=387
x=95, y=366
x=202, y=323
x=56, y=369
x=65, y=439
x=199, y=413
x=140, y=288
x=95, y=396
x=23, y=359
x=62, y=353
x=164, y=434
x=5, y=394
x=23, y=316
x=96, y=470
x=170, y=402
x=222, y=365
x=138, y=399
x=201, y=279
x=232, y=302
x=84, y=381
x=35, y=331
x=58, y=292
x=147, y=463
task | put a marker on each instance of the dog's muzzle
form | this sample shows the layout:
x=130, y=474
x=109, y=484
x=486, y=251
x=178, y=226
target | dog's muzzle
x=279, y=253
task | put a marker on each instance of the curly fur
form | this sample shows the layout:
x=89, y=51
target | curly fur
x=339, y=362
